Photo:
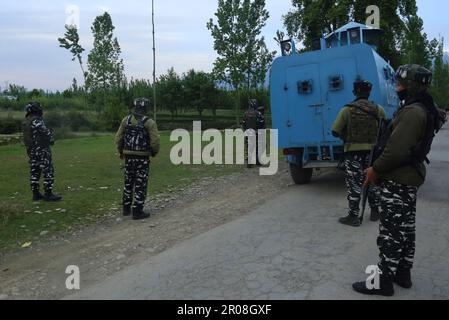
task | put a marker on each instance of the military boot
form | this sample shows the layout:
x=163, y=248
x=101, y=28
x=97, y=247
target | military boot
x=403, y=278
x=351, y=220
x=139, y=213
x=51, y=197
x=37, y=196
x=375, y=214
x=386, y=288
x=126, y=211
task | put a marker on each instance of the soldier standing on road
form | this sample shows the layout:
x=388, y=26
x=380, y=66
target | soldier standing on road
x=253, y=120
x=357, y=125
x=137, y=140
x=400, y=171
x=38, y=139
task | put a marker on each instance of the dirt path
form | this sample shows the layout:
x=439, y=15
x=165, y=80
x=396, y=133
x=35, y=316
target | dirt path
x=114, y=244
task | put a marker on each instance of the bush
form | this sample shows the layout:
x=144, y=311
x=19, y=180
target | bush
x=75, y=120
x=10, y=125
x=113, y=114
x=72, y=119
x=63, y=133
x=54, y=119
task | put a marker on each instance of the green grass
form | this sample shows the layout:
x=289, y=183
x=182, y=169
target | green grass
x=90, y=178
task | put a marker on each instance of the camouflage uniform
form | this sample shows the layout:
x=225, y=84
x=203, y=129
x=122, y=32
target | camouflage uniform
x=351, y=125
x=39, y=153
x=137, y=170
x=355, y=165
x=137, y=140
x=253, y=120
x=400, y=169
x=396, y=239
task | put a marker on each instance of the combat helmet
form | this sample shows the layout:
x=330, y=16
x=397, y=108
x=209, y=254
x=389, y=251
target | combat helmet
x=252, y=104
x=34, y=108
x=140, y=106
x=362, y=88
x=414, y=78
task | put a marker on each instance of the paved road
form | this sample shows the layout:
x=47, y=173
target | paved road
x=292, y=248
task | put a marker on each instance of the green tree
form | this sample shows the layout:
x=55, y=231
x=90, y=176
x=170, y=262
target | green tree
x=106, y=69
x=393, y=17
x=170, y=93
x=416, y=48
x=199, y=91
x=71, y=42
x=242, y=53
x=309, y=19
x=243, y=58
x=16, y=90
x=440, y=85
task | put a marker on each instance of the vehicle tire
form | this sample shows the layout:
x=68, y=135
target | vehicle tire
x=300, y=175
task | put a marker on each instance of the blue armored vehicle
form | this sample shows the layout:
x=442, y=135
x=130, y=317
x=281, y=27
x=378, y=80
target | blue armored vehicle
x=309, y=89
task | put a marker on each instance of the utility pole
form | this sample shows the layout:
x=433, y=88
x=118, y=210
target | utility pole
x=154, y=62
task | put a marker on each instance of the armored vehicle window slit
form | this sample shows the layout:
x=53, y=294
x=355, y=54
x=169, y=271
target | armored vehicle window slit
x=354, y=35
x=305, y=87
x=336, y=82
x=343, y=39
x=332, y=41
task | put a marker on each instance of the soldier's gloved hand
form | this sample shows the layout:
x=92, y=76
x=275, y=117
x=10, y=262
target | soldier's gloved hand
x=371, y=177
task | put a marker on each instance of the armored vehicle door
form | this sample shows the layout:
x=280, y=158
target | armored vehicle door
x=337, y=79
x=305, y=123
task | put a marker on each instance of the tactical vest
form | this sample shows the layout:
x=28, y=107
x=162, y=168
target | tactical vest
x=251, y=119
x=419, y=153
x=363, y=122
x=28, y=139
x=26, y=129
x=136, y=137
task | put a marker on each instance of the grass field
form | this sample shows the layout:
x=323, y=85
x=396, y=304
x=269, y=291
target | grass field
x=162, y=115
x=89, y=177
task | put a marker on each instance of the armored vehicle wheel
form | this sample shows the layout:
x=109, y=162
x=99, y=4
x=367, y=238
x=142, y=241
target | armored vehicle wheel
x=300, y=175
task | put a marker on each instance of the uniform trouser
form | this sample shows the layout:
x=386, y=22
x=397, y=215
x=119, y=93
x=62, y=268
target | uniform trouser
x=396, y=239
x=41, y=164
x=355, y=165
x=253, y=152
x=136, y=181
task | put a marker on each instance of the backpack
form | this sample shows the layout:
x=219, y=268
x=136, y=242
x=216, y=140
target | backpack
x=433, y=126
x=27, y=134
x=420, y=152
x=251, y=119
x=363, y=123
x=40, y=139
x=136, y=137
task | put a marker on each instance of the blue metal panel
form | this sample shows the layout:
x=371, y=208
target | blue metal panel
x=309, y=89
x=305, y=116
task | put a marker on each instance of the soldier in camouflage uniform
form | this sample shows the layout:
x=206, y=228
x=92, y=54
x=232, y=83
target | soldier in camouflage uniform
x=400, y=171
x=357, y=124
x=253, y=120
x=37, y=140
x=137, y=140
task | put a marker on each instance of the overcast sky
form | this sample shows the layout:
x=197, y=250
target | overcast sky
x=30, y=53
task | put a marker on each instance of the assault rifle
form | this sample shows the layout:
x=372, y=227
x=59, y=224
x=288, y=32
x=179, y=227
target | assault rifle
x=372, y=155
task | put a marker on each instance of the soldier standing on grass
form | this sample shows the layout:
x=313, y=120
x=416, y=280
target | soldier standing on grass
x=253, y=120
x=357, y=125
x=137, y=140
x=38, y=139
